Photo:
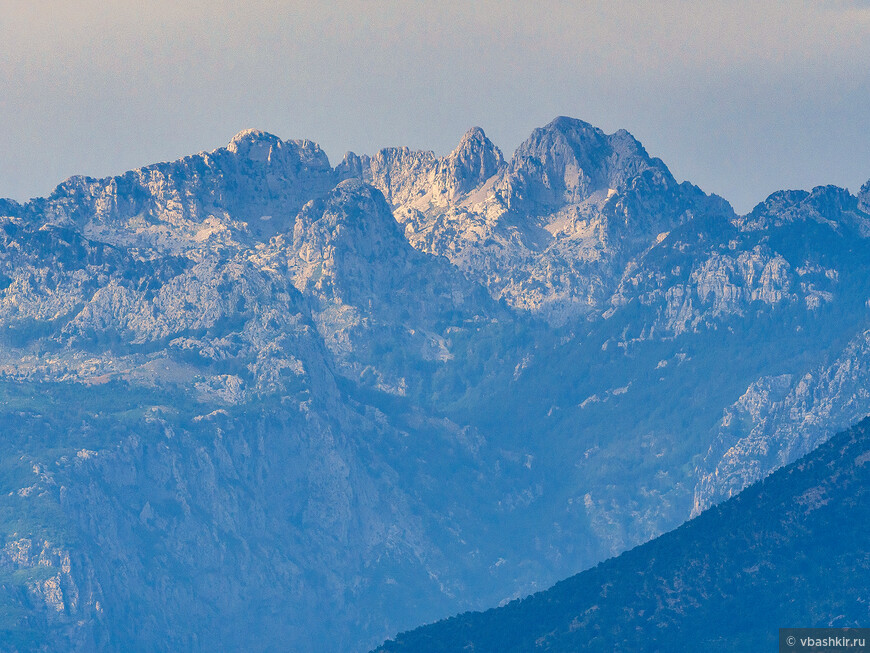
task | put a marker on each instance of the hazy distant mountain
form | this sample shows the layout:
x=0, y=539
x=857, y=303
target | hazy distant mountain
x=550, y=231
x=251, y=400
x=786, y=552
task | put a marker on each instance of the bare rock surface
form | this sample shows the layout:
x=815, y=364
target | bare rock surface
x=248, y=388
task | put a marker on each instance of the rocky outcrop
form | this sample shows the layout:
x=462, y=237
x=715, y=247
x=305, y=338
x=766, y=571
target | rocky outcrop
x=474, y=161
x=549, y=231
x=568, y=160
x=790, y=251
x=779, y=420
x=828, y=205
x=406, y=177
x=399, y=173
x=56, y=601
x=864, y=198
x=244, y=192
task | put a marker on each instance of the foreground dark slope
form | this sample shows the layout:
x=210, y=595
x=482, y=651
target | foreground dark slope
x=789, y=551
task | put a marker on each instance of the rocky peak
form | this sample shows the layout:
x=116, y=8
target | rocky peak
x=254, y=144
x=360, y=207
x=353, y=219
x=352, y=166
x=276, y=156
x=831, y=201
x=9, y=207
x=864, y=197
x=474, y=160
x=563, y=142
x=408, y=176
x=400, y=173
x=250, y=189
x=474, y=138
x=829, y=205
x=567, y=160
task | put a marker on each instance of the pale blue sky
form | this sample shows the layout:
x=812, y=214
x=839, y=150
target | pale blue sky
x=742, y=98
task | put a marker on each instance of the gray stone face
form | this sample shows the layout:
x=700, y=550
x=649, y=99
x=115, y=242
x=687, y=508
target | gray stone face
x=864, y=197
x=781, y=419
x=551, y=230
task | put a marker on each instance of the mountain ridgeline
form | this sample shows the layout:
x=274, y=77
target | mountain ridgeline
x=254, y=401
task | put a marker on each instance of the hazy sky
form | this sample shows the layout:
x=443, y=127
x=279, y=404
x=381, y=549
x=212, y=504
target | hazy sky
x=742, y=98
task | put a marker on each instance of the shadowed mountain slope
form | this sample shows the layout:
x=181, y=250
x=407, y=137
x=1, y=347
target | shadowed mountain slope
x=790, y=551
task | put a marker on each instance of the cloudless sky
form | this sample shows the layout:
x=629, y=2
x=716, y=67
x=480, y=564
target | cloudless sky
x=741, y=98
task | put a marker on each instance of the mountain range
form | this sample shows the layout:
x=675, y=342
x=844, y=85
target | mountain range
x=252, y=400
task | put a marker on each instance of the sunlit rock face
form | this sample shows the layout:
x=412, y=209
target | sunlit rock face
x=329, y=404
x=551, y=230
x=246, y=191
